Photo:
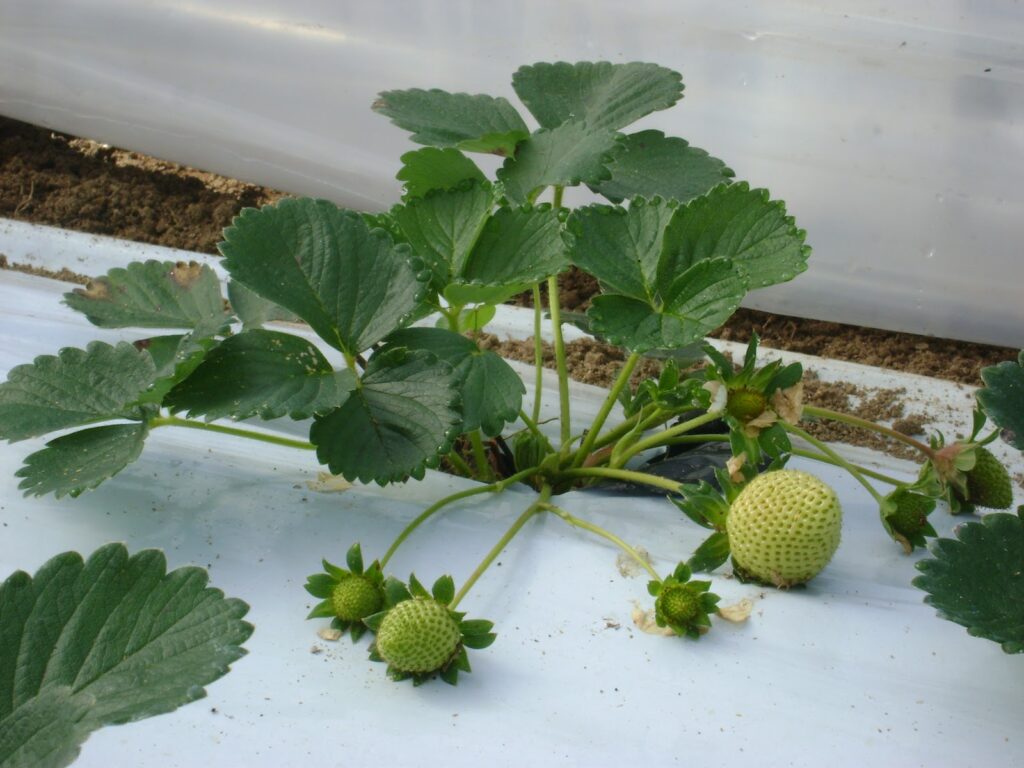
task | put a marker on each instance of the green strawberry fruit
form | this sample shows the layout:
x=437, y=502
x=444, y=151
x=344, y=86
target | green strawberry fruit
x=988, y=482
x=678, y=604
x=419, y=636
x=355, y=598
x=746, y=404
x=784, y=528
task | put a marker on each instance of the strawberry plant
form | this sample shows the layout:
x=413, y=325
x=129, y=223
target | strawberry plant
x=398, y=383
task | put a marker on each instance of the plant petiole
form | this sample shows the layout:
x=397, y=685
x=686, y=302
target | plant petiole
x=496, y=550
x=855, y=421
x=426, y=514
x=658, y=440
x=836, y=458
x=606, y=407
x=174, y=421
x=604, y=534
x=483, y=468
x=623, y=474
x=538, y=353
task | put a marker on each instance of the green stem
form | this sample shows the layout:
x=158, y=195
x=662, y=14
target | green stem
x=174, y=421
x=459, y=463
x=795, y=451
x=538, y=352
x=624, y=474
x=483, y=468
x=658, y=440
x=496, y=550
x=437, y=505
x=563, y=369
x=531, y=425
x=604, y=534
x=649, y=417
x=855, y=421
x=839, y=460
x=606, y=407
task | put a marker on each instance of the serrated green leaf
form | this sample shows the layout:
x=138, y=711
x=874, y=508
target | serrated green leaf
x=443, y=226
x=620, y=247
x=473, y=122
x=47, y=731
x=401, y=417
x=75, y=387
x=353, y=285
x=109, y=640
x=430, y=168
x=649, y=163
x=700, y=300
x=977, y=579
x=253, y=310
x=565, y=156
x=444, y=589
x=81, y=460
x=1002, y=397
x=154, y=294
x=460, y=294
x=472, y=319
x=262, y=373
x=517, y=246
x=603, y=94
x=740, y=223
x=490, y=391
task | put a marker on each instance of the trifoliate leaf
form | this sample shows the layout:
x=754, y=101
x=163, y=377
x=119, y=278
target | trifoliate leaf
x=262, y=373
x=603, y=94
x=518, y=246
x=491, y=392
x=77, y=386
x=739, y=223
x=477, y=123
x=353, y=285
x=620, y=248
x=977, y=579
x=154, y=294
x=565, y=156
x=443, y=226
x=1002, y=397
x=253, y=310
x=701, y=299
x=81, y=460
x=399, y=419
x=427, y=169
x=649, y=163
x=110, y=640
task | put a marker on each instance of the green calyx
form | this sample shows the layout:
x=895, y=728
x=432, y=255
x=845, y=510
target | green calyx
x=988, y=482
x=683, y=605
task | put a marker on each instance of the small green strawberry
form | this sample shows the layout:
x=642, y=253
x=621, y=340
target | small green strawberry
x=419, y=636
x=745, y=404
x=783, y=528
x=683, y=605
x=988, y=482
x=348, y=596
x=905, y=517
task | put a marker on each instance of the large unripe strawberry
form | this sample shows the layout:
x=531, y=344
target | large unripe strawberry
x=419, y=636
x=988, y=482
x=784, y=527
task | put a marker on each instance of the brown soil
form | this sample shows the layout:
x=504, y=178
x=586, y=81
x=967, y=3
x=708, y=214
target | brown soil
x=54, y=179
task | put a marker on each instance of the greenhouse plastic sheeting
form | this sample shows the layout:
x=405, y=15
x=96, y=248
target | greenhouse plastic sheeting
x=893, y=131
x=854, y=670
